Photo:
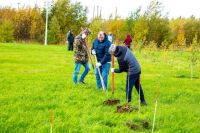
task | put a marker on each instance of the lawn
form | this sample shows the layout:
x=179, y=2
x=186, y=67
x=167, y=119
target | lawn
x=36, y=80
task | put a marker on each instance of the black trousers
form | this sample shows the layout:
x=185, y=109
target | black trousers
x=133, y=80
x=70, y=46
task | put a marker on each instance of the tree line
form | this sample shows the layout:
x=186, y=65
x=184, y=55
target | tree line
x=28, y=24
x=151, y=26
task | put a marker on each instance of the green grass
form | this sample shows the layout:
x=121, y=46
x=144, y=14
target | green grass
x=35, y=80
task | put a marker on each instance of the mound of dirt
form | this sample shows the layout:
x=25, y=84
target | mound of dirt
x=145, y=124
x=138, y=125
x=133, y=126
x=126, y=108
x=111, y=102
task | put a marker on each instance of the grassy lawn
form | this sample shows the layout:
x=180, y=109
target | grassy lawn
x=35, y=80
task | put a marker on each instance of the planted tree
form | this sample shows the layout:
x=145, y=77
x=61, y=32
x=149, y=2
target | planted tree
x=181, y=43
x=194, y=56
x=152, y=48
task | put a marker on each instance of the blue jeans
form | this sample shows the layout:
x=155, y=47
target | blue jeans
x=105, y=68
x=130, y=81
x=77, y=69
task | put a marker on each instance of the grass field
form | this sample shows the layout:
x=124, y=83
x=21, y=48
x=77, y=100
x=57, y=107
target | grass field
x=35, y=80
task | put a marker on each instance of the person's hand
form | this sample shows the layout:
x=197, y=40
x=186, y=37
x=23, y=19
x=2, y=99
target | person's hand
x=98, y=64
x=112, y=70
x=93, y=52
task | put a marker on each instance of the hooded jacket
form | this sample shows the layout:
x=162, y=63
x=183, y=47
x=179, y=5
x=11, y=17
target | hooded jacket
x=127, y=61
x=128, y=41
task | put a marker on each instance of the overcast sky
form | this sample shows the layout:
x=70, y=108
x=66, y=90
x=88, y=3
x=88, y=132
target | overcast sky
x=174, y=8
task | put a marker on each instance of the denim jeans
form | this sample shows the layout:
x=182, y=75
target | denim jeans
x=105, y=68
x=77, y=69
x=130, y=81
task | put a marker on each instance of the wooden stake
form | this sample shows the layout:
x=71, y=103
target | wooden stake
x=157, y=95
x=113, y=78
x=139, y=94
x=51, y=121
x=154, y=116
x=128, y=83
x=88, y=51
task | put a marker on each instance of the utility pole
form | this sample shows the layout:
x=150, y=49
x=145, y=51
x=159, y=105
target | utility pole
x=113, y=78
x=97, y=11
x=18, y=5
x=35, y=3
x=100, y=11
x=116, y=13
x=93, y=12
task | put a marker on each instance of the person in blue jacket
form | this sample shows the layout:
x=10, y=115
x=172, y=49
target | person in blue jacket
x=128, y=63
x=70, y=39
x=100, y=48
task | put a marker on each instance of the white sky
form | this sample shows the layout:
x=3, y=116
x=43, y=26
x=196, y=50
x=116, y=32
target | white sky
x=175, y=8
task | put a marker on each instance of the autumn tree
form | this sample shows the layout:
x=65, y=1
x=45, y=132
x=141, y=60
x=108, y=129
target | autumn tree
x=6, y=24
x=54, y=31
x=132, y=20
x=177, y=32
x=141, y=29
x=22, y=24
x=95, y=26
x=37, y=25
x=158, y=25
x=6, y=31
x=69, y=16
x=191, y=28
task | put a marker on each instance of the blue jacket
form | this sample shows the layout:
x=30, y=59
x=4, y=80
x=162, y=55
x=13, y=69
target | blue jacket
x=127, y=61
x=101, y=49
x=70, y=38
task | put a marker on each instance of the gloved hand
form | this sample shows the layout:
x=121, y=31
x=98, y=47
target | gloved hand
x=98, y=64
x=112, y=70
x=93, y=52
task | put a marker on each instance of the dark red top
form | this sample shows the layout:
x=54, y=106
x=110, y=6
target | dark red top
x=128, y=40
